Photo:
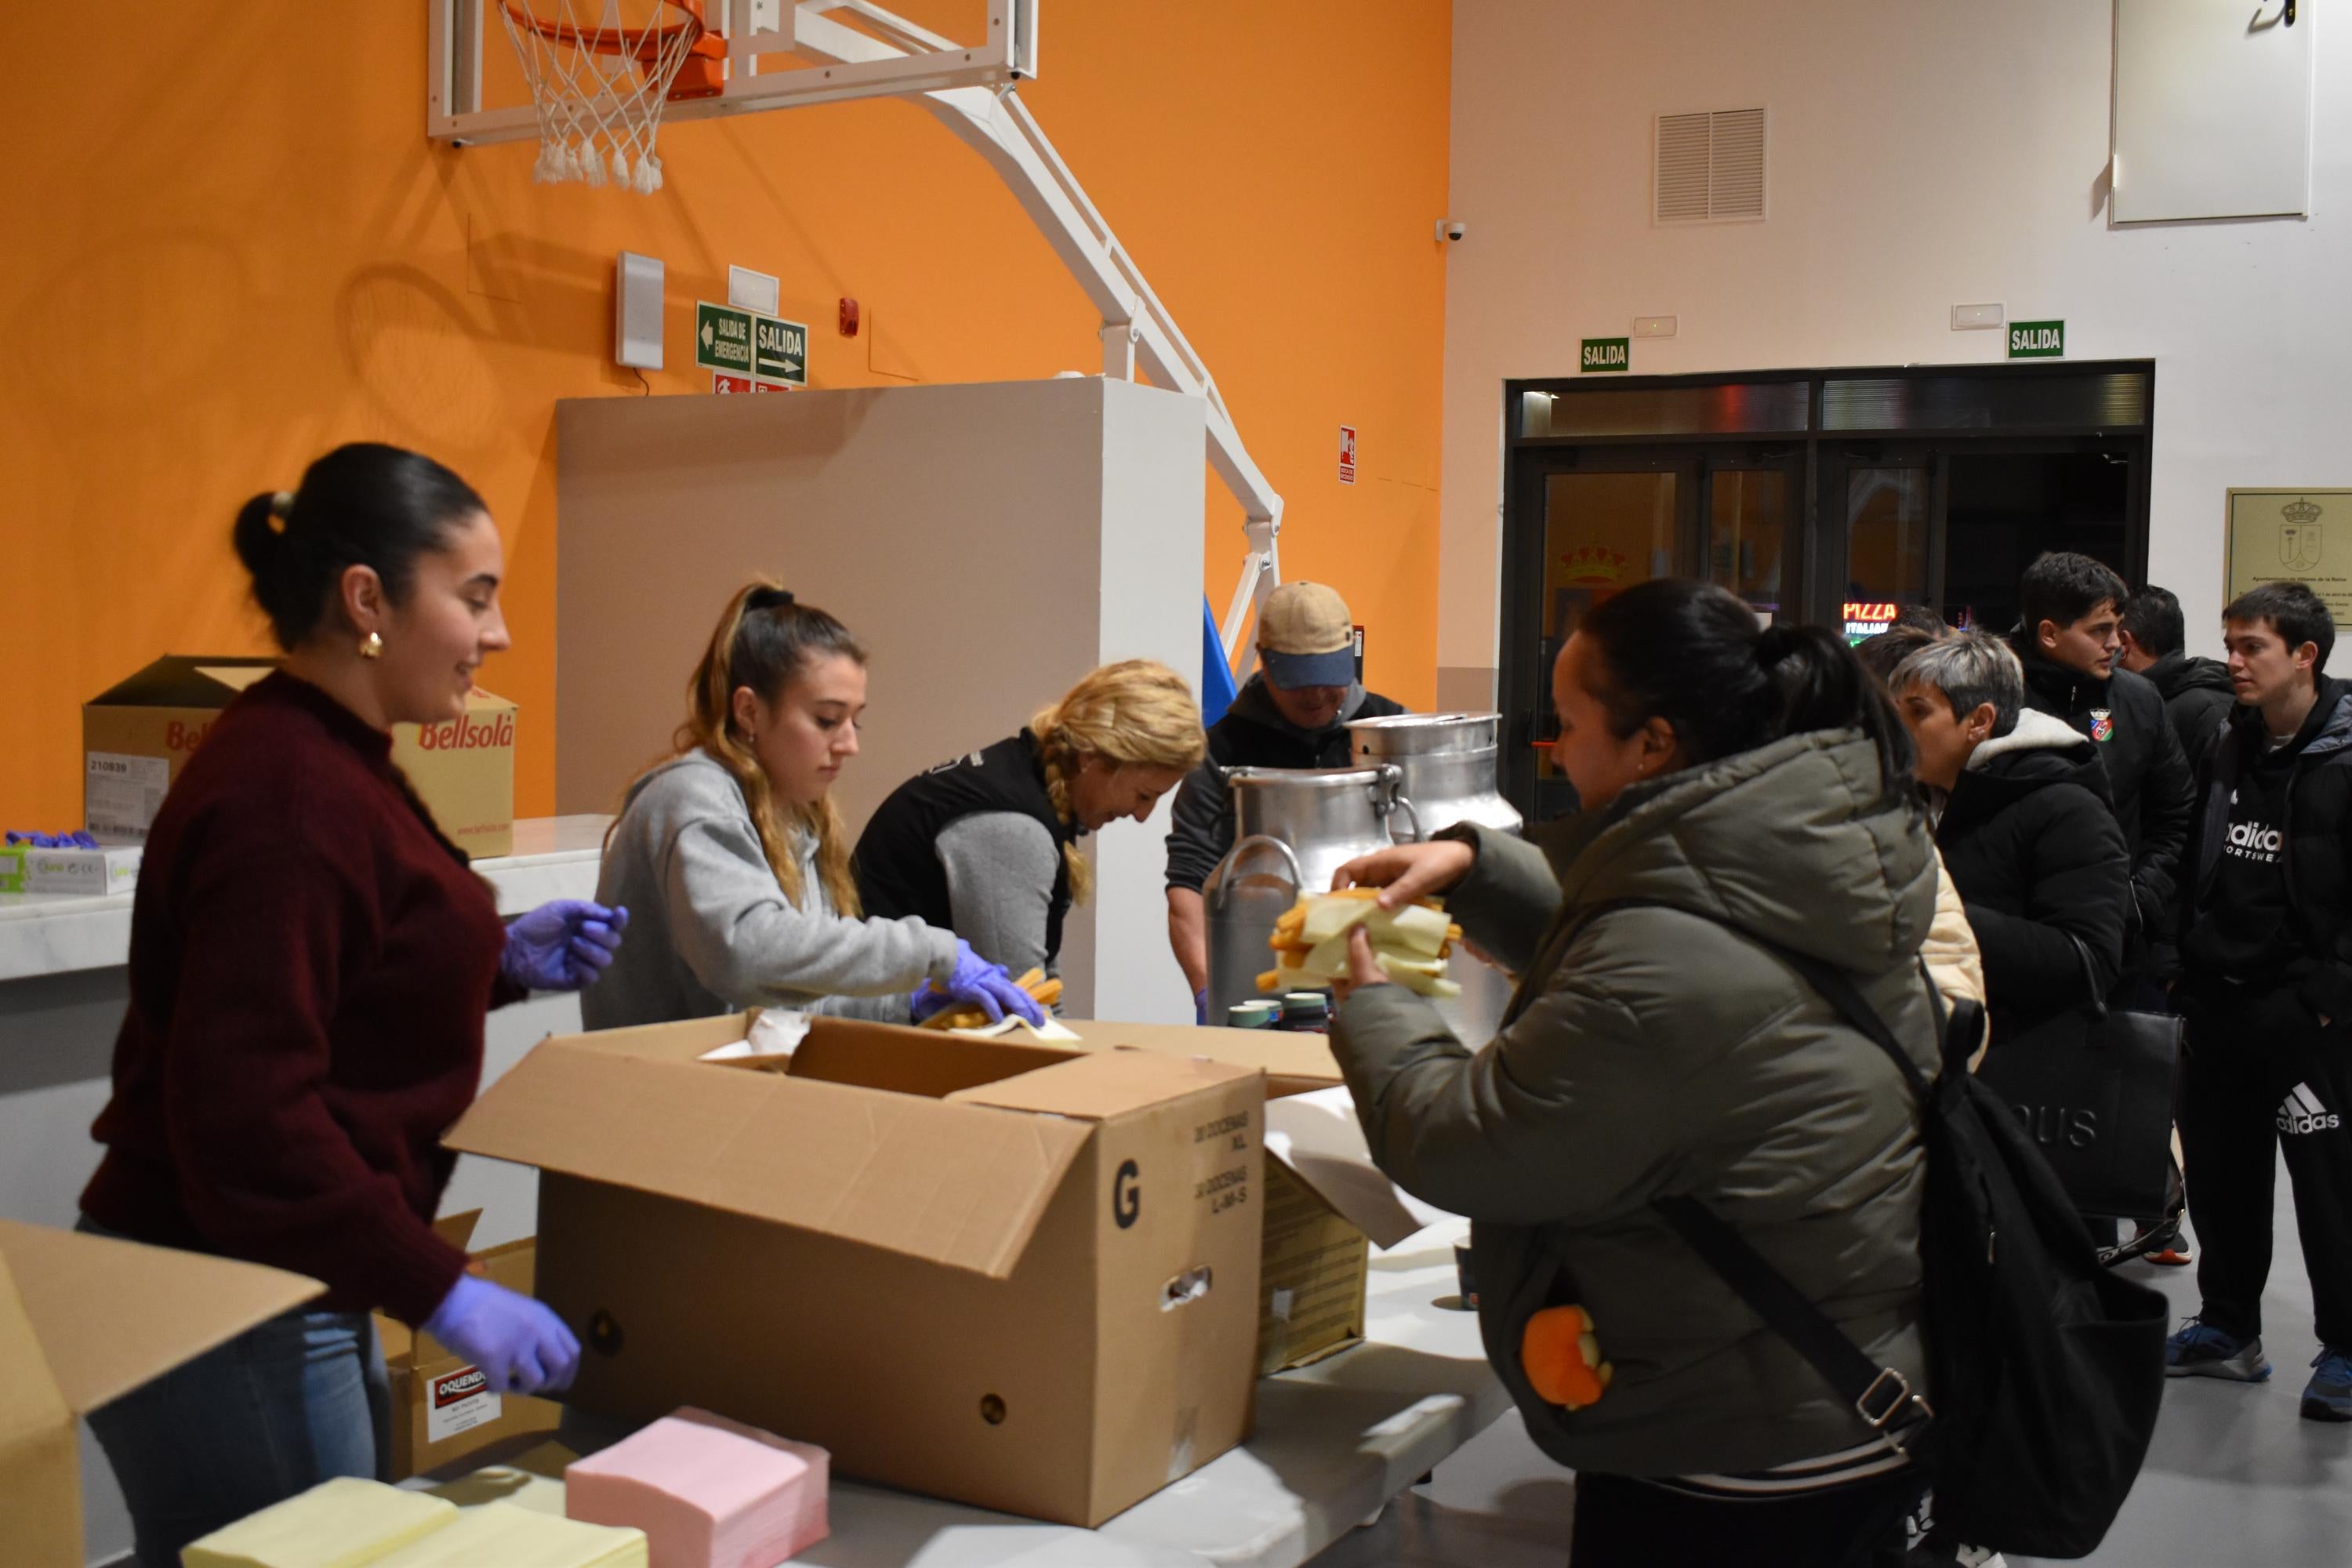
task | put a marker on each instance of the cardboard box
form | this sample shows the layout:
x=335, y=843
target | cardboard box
x=136, y=735
x=27, y=869
x=1020, y=1276
x=464, y=772
x=84, y=1320
x=442, y=1409
x=1325, y=1205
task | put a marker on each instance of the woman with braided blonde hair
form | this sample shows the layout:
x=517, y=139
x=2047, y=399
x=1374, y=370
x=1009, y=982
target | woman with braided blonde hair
x=988, y=843
x=735, y=860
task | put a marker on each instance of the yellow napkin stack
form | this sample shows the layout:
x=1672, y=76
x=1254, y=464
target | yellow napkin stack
x=363, y=1524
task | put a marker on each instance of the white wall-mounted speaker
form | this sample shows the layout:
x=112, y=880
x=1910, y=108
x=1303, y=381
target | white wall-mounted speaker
x=637, y=311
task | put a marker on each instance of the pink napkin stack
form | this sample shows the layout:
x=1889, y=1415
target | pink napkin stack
x=707, y=1492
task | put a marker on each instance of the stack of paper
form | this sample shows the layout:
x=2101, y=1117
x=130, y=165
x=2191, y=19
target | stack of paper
x=362, y=1524
x=518, y=1538
x=707, y=1492
x=340, y=1523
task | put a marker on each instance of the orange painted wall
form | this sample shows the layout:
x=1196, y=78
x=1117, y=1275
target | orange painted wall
x=234, y=247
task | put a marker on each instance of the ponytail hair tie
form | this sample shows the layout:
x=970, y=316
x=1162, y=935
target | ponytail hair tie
x=281, y=506
x=769, y=599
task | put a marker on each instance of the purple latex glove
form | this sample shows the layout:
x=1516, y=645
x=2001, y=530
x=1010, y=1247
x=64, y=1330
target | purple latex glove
x=520, y=1346
x=562, y=946
x=77, y=840
x=986, y=985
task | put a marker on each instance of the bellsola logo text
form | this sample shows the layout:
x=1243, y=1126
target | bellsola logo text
x=466, y=735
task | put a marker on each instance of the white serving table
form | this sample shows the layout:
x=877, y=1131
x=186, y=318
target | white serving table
x=55, y=933
x=1334, y=1443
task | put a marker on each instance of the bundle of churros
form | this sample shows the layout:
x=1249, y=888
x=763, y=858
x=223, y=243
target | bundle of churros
x=1410, y=945
x=1046, y=994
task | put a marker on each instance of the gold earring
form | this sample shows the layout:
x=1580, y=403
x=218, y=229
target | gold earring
x=372, y=646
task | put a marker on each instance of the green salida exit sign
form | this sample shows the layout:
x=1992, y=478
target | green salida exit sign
x=2037, y=340
x=1606, y=353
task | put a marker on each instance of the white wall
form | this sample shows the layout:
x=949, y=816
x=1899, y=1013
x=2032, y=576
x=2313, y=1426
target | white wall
x=989, y=543
x=1920, y=156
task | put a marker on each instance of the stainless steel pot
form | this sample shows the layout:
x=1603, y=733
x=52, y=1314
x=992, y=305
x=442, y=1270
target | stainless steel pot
x=1448, y=766
x=1294, y=827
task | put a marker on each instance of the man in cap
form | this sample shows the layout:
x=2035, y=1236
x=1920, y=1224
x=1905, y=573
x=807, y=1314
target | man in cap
x=1292, y=714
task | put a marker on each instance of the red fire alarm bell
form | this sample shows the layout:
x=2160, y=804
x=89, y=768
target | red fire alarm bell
x=849, y=318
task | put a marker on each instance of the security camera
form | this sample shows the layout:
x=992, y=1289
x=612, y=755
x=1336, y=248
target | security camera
x=1448, y=229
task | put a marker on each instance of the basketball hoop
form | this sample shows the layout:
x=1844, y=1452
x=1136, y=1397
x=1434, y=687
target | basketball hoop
x=598, y=89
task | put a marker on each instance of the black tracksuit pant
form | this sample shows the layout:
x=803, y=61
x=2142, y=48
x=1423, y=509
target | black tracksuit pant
x=2260, y=1075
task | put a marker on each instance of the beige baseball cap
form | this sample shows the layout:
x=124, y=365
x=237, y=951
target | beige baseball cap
x=1306, y=636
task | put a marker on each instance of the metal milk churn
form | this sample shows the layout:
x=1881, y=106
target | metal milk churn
x=1293, y=827
x=1447, y=764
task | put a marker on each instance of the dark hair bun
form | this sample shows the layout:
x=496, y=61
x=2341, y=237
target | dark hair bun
x=363, y=504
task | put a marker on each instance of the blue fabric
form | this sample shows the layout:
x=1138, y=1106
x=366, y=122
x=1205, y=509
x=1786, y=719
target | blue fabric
x=1292, y=671
x=299, y=1399
x=1217, y=688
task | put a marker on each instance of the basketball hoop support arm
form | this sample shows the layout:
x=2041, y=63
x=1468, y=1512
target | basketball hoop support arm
x=972, y=92
x=1137, y=331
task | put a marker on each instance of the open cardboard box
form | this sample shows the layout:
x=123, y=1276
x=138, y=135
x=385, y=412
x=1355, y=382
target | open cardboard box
x=137, y=734
x=1017, y=1275
x=84, y=1320
x=1326, y=1204
x=442, y=1406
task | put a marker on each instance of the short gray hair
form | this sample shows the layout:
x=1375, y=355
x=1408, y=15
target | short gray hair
x=1969, y=668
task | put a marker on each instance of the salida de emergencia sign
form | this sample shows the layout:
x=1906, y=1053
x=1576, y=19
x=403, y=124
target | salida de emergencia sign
x=743, y=345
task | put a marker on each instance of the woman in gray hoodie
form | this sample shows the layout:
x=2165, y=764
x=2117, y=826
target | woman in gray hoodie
x=734, y=862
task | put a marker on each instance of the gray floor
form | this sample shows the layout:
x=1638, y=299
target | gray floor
x=2235, y=1477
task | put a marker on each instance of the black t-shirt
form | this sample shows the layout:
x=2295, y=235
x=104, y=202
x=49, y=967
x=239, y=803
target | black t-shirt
x=2238, y=933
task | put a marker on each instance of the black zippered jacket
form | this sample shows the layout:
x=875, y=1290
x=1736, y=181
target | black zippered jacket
x=1251, y=734
x=2198, y=698
x=2030, y=839
x=2315, y=944
x=2148, y=775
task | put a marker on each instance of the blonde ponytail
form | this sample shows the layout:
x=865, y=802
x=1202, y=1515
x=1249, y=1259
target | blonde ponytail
x=764, y=639
x=1136, y=713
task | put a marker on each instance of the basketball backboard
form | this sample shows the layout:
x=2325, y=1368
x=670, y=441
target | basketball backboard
x=778, y=55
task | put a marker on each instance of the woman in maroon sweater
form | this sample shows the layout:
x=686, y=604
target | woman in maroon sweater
x=310, y=964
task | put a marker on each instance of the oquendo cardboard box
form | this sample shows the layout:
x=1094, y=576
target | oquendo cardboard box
x=137, y=734
x=1018, y=1277
x=442, y=1406
x=1326, y=1204
x=84, y=1320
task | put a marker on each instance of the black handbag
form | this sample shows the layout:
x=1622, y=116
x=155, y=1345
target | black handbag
x=2095, y=1089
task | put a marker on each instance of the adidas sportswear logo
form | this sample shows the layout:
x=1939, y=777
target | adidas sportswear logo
x=2302, y=1112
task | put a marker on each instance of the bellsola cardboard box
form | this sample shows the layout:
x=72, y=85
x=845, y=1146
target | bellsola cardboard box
x=136, y=735
x=1019, y=1277
x=84, y=1320
x=442, y=1406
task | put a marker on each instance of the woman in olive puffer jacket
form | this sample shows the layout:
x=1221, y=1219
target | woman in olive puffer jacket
x=1739, y=784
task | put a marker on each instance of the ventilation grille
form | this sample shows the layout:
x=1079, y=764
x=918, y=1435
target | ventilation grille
x=1710, y=166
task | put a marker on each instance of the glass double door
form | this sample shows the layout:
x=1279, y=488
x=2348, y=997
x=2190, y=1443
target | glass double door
x=1612, y=517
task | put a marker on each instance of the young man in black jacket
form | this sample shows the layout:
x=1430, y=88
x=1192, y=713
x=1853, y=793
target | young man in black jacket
x=2196, y=691
x=2026, y=829
x=1292, y=714
x=2072, y=609
x=2266, y=988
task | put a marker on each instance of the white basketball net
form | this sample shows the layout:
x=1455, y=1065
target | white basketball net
x=598, y=111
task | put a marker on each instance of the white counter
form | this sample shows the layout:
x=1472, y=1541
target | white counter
x=52, y=933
